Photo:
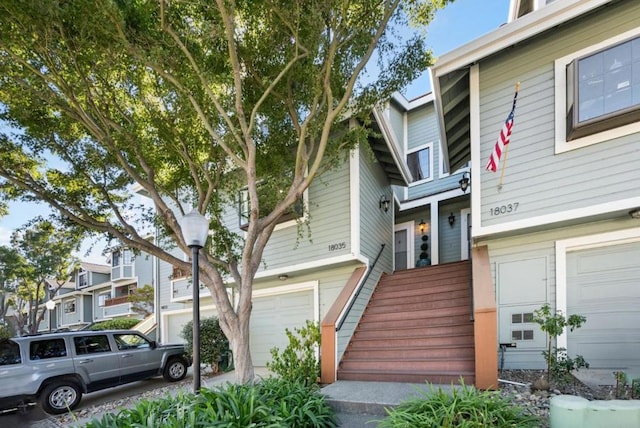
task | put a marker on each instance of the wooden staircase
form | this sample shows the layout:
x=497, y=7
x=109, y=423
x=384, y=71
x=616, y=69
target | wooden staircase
x=416, y=328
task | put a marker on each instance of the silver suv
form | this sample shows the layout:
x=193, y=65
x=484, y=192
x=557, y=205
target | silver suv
x=56, y=369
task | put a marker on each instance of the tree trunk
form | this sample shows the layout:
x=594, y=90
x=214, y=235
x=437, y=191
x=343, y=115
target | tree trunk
x=242, y=363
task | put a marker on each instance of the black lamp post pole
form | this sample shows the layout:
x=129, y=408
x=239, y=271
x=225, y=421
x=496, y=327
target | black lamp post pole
x=195, y=275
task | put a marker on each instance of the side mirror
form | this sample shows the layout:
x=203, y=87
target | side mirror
x=154, y=344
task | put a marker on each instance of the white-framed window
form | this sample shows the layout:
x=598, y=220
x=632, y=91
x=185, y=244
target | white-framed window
x=598, y=92
x=420, y=163
x=69, y=306
x=121, y=257
x=103, y=297
x=83, y=280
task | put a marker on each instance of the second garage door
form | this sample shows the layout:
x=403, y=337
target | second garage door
x=603, y=284
x=271, y=315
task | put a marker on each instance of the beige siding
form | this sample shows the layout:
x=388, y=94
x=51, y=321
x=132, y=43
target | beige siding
x=540, y=181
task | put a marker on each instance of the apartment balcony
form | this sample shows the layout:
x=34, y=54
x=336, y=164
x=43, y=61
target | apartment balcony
x=116, y=307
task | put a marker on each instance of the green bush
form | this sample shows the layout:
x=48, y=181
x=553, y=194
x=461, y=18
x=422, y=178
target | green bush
x=270, y=403
x=114, y=324
x=214, y=345
x=5, y=331
x=465, y=408
x=298, y=361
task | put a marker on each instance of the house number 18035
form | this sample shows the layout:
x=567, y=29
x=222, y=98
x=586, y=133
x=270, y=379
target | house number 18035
x=504, y=209
x=337, y=246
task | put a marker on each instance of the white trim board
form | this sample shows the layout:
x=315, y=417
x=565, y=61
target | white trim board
x=581, y=243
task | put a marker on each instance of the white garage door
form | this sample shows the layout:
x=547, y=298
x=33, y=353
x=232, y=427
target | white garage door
x=603, y=284
x=271, y=315
x=176, y=322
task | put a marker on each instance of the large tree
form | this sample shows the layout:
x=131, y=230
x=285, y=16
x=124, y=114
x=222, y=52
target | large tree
x=38, y=263
x=190, y=102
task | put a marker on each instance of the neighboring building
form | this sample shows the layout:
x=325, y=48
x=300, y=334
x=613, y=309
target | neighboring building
x=562, y=224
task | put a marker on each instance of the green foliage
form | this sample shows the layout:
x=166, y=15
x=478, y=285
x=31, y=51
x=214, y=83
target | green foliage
x=270, y=403
x=5, y=331
x=621, y=383
x=114, y=324
x=559, y=364
x=142, y=300
x=214, y=345
x=465, y=407
x=298, y=361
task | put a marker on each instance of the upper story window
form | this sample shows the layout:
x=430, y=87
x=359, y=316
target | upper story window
x=602, y=96
x=419, y=162
x=82, y=278
x=294, y=213
x=121, y=258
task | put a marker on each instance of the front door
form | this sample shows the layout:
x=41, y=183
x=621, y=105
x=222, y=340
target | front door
x=402, y=246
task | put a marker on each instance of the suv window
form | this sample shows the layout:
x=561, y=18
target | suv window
x=91, y=344
x=131, y=341
x=9, y=353
x=48, y=348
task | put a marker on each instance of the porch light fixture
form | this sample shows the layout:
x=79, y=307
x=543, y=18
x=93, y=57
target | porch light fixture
x=635, y=213
x=464, y=182
x=384, y=203
x=195, y=228
x=283, y=277
x=452, y=219
x=422, y=226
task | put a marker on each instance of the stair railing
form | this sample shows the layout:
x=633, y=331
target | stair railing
x=344, y=314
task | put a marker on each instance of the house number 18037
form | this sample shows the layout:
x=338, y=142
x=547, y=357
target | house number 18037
x=504, y=209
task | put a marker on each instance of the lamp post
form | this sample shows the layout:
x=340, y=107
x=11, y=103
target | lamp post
x=50, y=305
x=195, y=228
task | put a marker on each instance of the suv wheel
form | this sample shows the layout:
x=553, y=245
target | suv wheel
x=175, y=370
x=60, y=396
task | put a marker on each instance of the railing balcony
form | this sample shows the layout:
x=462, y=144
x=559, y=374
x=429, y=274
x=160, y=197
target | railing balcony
x=116, y=301
x=179, y=273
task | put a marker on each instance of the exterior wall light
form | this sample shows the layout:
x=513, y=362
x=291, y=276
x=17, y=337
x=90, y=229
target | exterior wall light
x=464, y=182
x=635, y=213
x=384, y=203
x=452, y=219
x=422, y=226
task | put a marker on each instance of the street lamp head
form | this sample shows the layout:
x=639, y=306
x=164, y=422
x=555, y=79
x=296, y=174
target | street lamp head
x=195, y=228
x=50, y=305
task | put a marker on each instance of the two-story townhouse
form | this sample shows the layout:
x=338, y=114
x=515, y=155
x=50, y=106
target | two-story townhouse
x=560, y=223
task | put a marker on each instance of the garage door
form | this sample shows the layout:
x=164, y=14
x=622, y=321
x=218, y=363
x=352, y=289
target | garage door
x=603, y=284
x=271, y=315
x=176, y=322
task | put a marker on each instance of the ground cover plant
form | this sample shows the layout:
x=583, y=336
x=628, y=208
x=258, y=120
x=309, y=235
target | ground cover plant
x=272, y=402
x=464, y=407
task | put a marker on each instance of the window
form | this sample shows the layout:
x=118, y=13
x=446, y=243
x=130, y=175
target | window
x=91, y=344
x=102, y=298
x=131, y=341
x=295, y=212
x=82, y=278
x=419, y=163
x=49, y=348
x=603, y=89
x=70, y=306
x=601, y=100
x=9, y=353
x=121, y=257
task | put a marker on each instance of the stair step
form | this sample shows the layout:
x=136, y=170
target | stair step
x=404, y=332
x=436, y=378
x=416, y=341
x=395, y=364
x=413, y=353
x=417, y=314
x=424, y=321
x=409, y=305
x=414, y=296
x=424, y=284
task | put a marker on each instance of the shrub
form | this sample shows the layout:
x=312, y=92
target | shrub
x=559, y=364
x=114, y=324
x=465, y=407
x=298, y=361
x=5, y=331
x=214, y=345
x=270, y=403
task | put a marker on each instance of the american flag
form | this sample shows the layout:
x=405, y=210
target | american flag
x=503, y=139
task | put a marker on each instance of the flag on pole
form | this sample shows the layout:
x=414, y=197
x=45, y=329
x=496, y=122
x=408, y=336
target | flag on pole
x=503, y=138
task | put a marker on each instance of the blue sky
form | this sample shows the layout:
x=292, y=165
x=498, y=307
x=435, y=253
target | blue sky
x=457, y=24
